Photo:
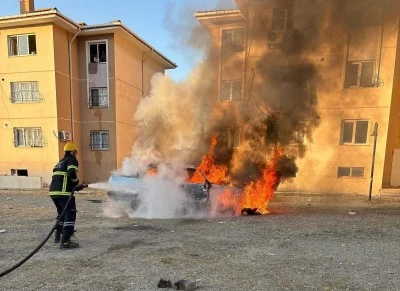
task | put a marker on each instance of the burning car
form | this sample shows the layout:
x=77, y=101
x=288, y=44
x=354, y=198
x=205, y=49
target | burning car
x=199, y=193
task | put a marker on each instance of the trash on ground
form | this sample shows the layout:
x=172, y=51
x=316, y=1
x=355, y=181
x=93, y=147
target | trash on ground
x=164, y=283
x=352, y=213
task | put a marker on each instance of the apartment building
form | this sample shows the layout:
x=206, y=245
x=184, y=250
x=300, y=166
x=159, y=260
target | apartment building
x=326, y=77
x=63, y=81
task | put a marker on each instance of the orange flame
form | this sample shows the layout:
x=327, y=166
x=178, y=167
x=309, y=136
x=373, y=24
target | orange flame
x=258, y=193
x=216, y=174
x=255, y=195
x=151, y=172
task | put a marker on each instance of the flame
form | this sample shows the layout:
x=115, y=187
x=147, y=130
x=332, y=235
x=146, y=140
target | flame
x=217, y=174
x=255, y=194
x=151, y=172
x=258, y=193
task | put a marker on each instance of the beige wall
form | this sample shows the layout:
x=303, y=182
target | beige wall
x=128, y=80
x=41, y=68
x=97, y=164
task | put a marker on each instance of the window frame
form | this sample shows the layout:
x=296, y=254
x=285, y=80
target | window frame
x=234, y=135
x=351, y=173
x=92, y=143
x=360, y=71
x=18, y=37
x=231, y=90
x=287, y=18
x=354, y=131
x=24, y=142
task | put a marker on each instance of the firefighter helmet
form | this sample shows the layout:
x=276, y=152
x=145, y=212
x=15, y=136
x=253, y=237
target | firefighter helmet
x=69, y=147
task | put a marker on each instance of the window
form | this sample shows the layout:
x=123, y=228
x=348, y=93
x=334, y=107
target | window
x=99, y=140
x=360, y=74
x=19, y=172
x=28, y=137
x=231, y=90
x=98, y=53
x=233, y=39
x=25, y=92
x=354, y=132
x=350, y=172
x=281, y=18
x=21, y=45
x=299, y=135
x=233, y=137
x=98, y=97
x=364, y=13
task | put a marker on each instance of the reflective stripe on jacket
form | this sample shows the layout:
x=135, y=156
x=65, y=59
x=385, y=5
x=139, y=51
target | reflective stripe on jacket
x=65, y=176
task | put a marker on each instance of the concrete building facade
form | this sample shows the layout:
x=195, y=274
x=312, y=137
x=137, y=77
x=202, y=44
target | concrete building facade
x=63, y=81
x=331, y=71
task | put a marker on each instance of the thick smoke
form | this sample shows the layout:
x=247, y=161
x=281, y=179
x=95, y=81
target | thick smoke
x=279, y=96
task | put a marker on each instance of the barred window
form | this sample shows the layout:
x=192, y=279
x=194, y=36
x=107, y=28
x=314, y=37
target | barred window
x=21, y=45
x=233, y=39
x=28, y=137
x=99, y=140
x=98, y=97
x=25, y=92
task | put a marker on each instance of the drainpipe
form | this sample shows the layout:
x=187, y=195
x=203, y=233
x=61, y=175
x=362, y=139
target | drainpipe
x=375, y=134
x=71, y=97
x=144, y=58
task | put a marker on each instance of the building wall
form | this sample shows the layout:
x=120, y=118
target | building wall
x=393, y=140
x=97, y=164
x=130, y=68
x=40, y=67
x=321, y=155
x=65, y=104
x=324, y=153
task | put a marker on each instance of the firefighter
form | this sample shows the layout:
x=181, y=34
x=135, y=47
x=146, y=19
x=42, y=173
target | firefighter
x=65, y=178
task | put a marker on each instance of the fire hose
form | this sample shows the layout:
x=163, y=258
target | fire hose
x=76, y=188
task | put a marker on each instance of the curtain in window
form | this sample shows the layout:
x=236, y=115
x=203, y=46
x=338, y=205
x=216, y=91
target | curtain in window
x=23, y=45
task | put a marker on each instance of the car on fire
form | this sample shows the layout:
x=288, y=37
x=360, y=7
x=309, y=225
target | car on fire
x=199, y=194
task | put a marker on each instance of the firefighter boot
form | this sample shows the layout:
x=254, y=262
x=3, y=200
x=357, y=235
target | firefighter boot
x=57, y=236
x=66, y=242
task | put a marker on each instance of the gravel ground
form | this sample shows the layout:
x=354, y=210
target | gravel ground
x=305, y=243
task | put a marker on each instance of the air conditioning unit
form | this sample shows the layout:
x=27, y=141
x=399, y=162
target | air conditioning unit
x=64, y=135
x=275, y=38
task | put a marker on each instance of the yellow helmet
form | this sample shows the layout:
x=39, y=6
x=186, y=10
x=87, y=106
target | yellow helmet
x=69, y=147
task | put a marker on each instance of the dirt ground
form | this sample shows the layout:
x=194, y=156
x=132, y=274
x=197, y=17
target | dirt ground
x=307, y=243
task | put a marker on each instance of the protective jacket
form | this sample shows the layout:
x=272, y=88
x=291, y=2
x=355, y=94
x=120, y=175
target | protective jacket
x=65, y=176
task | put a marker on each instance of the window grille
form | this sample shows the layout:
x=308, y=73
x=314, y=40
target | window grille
x=233, y=39
x=28, y=137
x=99, y=140
x=98, y=97
x=25, y=92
